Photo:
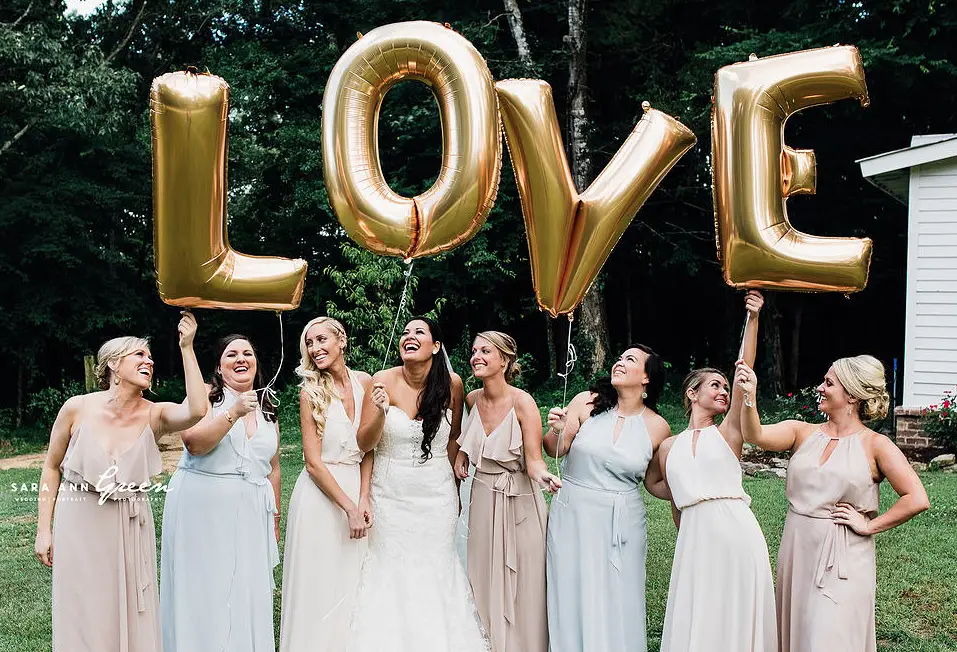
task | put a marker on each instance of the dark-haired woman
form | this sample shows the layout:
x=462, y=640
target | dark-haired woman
x=413, y=593
x=596, y=541
x=221, y=521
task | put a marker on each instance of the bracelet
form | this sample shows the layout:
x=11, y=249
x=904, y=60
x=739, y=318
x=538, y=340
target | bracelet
x=277, y=516
x=229, y=418
x=748, y=401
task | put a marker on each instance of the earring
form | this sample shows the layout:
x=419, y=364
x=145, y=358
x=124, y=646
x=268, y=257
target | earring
x=116, y=380
x=644, y=395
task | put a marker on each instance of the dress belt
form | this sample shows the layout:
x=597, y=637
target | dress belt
x=834, y=553
x=618, y=537
x=509, y=485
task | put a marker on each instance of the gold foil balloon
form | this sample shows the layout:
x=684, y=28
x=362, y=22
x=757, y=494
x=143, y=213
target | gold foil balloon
x=571, y=235
x=195, y=266
x=455, y=207
x=754, y=172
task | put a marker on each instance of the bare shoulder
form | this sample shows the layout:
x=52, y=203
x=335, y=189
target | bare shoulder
x=658, y=428
x=385, y=375
x=457, y=382
x=472, y=396
x=666, y=445
x=363, y=378
x=880, y=443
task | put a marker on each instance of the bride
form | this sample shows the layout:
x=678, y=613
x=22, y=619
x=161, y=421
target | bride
x=414, y=595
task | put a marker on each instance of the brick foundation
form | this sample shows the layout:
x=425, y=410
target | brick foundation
x=910, y=438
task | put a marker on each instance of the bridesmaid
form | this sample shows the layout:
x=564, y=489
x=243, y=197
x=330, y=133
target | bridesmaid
x=104, y=579
x=502, y=436
x=826, y=566
x=596, y=542
x=221, y=521
x=328, y=515
x=721, y=595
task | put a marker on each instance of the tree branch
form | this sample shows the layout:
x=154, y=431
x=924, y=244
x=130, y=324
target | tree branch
x=17, y=136
x=22, y=16
x=518, y=33
x=126, y=39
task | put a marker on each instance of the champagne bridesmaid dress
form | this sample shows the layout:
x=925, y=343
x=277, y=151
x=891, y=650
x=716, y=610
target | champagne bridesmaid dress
x=506, y=545
x=826, y=572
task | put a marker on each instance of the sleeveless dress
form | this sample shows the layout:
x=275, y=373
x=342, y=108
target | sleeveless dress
x=597, y=542
x=827, y=573
x=219, y=546
x=413, y=593
x=721, y=595
x=104, y=569
x=506, y=544
x=321, y=563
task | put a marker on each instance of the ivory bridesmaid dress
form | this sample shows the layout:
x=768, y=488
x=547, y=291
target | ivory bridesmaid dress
x=321, y=563
x=721, y=595
x=826, y=572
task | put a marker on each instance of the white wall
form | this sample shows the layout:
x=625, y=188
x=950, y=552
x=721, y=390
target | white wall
x=930, y=356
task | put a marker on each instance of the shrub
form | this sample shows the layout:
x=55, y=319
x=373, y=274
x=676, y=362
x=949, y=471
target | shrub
x=800, y=405
x=45, y=404
x=940, y=422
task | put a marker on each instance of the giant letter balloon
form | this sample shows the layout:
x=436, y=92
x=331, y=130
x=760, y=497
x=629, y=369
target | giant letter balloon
x=754, y=172
x=195, y=266
x=455, y=207
x=571, y=235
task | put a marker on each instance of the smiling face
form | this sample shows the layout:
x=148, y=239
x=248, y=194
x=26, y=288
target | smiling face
x=416, y=343
x=486, y=360
x=629, y=371
x=713, y=394
x=324, y=346
x=832, y=397
x=135, y=368
x=238, y=365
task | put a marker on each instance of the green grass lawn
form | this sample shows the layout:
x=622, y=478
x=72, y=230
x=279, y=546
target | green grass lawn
x=916, y=563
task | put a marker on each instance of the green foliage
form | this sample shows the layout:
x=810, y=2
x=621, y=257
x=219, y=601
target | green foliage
x=45, y=404
x=800, y=405
x=940, y=420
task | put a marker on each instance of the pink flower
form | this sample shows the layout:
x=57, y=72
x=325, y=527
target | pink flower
x=804, y=407
x=946, y=403
x=933, y=407
x=790, y=394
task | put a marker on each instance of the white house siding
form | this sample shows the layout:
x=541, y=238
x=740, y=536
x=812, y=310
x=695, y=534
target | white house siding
x=930, y=357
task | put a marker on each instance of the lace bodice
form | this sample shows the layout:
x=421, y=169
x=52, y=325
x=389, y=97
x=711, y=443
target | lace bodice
x=401, y=441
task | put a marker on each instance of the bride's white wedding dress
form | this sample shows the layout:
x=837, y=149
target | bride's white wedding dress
x=414, y=595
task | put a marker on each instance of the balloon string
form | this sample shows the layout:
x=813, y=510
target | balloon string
x=398, y=312
x=269, y=390
x=571, y=357
x=744, y=334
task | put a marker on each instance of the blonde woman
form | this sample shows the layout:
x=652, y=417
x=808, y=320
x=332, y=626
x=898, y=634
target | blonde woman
x=502, y=437
x=329, y=513
x=826, y=566
x=103, y=539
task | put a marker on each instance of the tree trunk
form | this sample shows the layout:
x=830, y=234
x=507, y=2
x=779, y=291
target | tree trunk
x=794, y=355
x=21, y=392
x=518, y=33
x=593, y=318
x=776, y=358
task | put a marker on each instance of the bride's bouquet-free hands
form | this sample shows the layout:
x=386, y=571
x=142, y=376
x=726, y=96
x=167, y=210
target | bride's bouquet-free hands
x=380, y=397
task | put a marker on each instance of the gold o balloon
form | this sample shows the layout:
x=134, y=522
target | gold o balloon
x=754, y=172
x=457, y=204
x=195, y=266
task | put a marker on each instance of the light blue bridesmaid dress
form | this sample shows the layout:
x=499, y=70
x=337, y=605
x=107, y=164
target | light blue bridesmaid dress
x=219, y=547
x=596, y=541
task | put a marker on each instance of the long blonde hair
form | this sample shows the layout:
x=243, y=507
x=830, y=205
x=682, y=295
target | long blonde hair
x=318, y=385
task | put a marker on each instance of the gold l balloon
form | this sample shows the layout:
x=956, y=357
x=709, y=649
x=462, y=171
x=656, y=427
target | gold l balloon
x=754, y=172
x=457, y=204
x=571, y=235
x=195, y=266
